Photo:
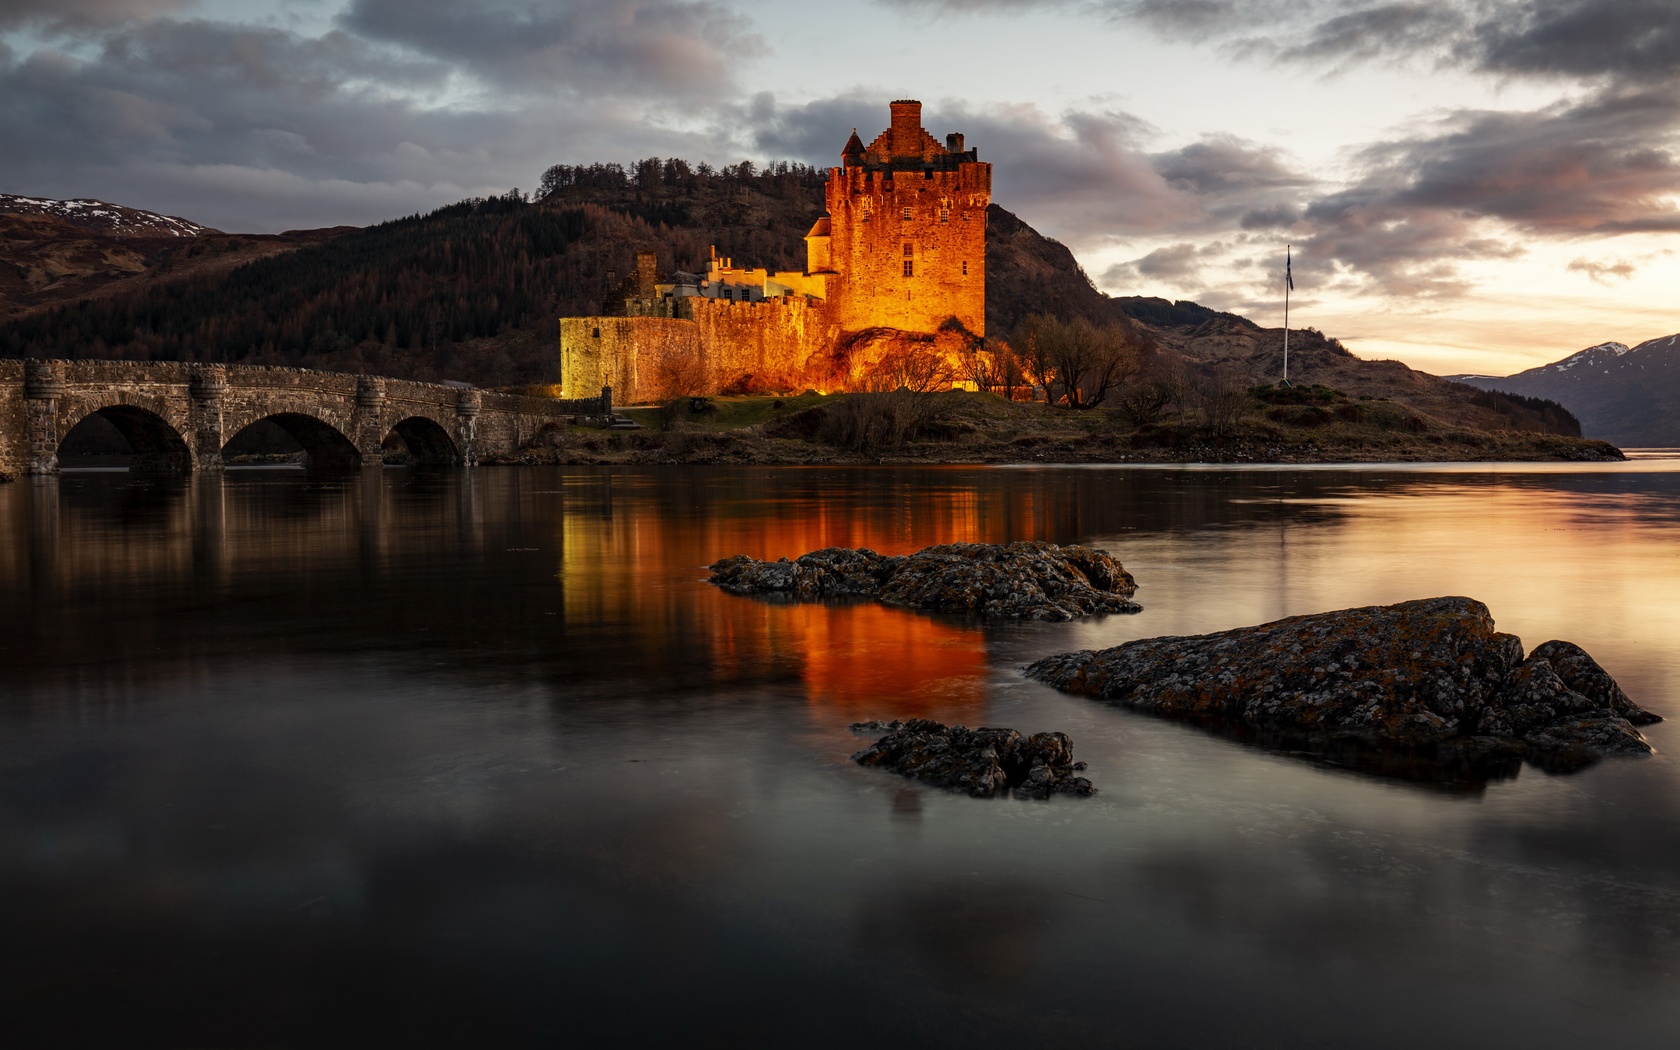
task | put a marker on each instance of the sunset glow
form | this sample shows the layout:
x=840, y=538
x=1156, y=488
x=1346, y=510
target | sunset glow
x=1473, y=188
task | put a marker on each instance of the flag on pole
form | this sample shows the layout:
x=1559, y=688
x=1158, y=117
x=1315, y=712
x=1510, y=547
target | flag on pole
x=1289, y=267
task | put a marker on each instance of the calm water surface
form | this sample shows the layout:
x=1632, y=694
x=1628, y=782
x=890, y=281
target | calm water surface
x=479, y=760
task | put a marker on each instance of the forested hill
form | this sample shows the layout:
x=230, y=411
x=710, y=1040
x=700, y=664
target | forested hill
x=471, y=291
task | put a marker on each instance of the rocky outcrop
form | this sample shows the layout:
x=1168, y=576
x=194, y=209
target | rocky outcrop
x=1423, y=674
x=1032, y=581
x=983, y=762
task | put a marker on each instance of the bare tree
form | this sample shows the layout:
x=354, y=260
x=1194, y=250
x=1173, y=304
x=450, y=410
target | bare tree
x=1179, y=379
x=915, y=367
x=1007, y=377
x=1223, y=397
x=1032, y=344
x=991, y=365
x=1076, y=361
x=1144, y=399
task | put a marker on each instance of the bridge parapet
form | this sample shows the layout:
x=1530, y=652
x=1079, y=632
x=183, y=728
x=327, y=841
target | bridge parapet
x=179, y=415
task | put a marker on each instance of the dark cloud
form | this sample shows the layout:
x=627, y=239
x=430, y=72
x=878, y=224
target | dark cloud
x=813, y=132
x=1219, y=21
x=254, y=128
x=1377, y=32
x=1278, y=216
x=682, y=50
x=1481, y=184
x=1596, y=167
x=71, y=15
x=1225, y=167
x=1399, y=250
x=1079, y=176
x=1624, y=40
x=1175, y=262
x=1621, y=39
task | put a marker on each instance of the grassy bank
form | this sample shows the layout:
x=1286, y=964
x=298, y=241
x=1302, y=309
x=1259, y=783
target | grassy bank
x=958, y=427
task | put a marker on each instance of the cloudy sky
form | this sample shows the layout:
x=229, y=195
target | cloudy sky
x=1479, y=185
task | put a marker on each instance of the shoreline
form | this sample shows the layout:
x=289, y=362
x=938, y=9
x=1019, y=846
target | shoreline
x=690, y=447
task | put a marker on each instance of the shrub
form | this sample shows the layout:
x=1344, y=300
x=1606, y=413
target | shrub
x=1299, y=415
x=865, y=422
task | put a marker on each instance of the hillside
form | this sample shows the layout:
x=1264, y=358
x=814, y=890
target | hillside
x=1627, y=396
x=57, y=252
x=472, y=291
x=103, y=218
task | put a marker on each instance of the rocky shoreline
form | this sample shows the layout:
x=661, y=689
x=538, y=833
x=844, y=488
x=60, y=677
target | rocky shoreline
x=1029, y=580
x=1423, y=676
x=733, y=448
x=983, y=762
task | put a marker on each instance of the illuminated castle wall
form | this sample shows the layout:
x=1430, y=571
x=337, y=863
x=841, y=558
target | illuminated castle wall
x=899, y=262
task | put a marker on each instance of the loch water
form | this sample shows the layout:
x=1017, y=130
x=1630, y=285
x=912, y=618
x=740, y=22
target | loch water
x=479, y=759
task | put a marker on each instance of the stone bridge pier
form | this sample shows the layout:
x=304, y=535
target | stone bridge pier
x=178, y=417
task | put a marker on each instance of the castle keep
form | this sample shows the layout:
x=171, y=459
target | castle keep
x=896, y=268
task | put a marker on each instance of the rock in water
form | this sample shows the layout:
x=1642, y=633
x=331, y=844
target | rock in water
x=983, y=762
x=1032, y=581
x=1422, y=673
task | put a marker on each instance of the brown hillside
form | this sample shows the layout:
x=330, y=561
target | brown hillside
x=46, y=260
x=473, y=291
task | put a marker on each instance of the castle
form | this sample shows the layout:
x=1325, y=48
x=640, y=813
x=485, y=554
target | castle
x=895, y=270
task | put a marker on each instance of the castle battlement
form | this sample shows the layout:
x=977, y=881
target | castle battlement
x=902, y=249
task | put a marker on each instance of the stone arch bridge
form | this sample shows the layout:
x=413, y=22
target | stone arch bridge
x=178, y=416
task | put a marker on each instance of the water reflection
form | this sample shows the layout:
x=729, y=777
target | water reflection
x=480, y=759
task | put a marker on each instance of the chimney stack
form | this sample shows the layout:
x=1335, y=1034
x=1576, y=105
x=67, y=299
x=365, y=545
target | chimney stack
x=906, y=127
x=647, y=274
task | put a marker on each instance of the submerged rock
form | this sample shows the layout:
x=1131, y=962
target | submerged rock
x=1033, y=581
x=1422, y=674
x=983, y=762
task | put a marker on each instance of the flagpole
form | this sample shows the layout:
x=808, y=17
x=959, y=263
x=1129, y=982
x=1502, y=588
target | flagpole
x=1288, y=286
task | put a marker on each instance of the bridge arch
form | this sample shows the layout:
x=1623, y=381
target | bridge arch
x=157, y=444
x=428, y=443
x=325, y=446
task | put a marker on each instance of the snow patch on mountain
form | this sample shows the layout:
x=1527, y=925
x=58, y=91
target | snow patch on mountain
x=1591, y=356
x=112, y=220
x=1665, y=342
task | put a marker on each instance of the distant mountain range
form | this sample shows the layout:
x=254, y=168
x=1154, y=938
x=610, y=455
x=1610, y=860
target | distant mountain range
x=100, y=217
x=1629, y=396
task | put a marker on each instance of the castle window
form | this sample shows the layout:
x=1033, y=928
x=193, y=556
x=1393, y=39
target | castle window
x=909, y=268
x=597, y=333
x=965, y=267
x=906, y=214
x=944, y=216
x=909, y=249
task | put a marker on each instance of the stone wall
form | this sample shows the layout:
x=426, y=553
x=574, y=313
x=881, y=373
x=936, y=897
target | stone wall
x=178, y=416
x=638, y=357
x=14, y=459
x=784, y=344
x=780, y=344
x=945, y=234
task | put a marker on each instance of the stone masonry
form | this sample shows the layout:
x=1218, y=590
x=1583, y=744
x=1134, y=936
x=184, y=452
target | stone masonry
x=178, y=416
x=899, y=258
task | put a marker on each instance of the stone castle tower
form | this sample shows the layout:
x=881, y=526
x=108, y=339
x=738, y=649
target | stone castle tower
x=905, y=230
x=898, y=265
